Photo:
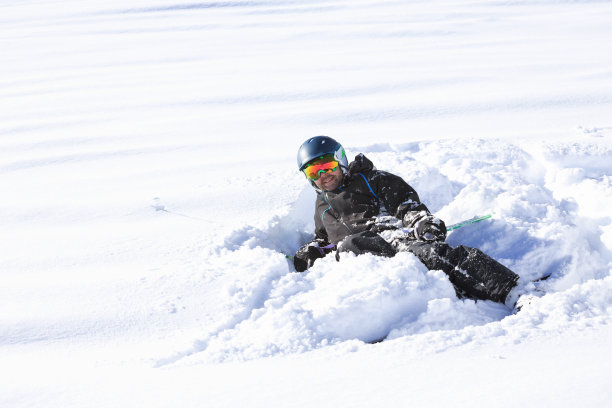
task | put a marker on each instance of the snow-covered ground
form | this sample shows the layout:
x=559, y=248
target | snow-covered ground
x=149, y=193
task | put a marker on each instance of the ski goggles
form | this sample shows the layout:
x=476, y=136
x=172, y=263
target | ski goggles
x=323, y=165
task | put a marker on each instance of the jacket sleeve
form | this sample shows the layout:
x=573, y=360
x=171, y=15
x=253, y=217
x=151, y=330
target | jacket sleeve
x=311, y=251
x=399, y=198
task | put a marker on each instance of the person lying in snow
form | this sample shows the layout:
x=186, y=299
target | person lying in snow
x=360, y=209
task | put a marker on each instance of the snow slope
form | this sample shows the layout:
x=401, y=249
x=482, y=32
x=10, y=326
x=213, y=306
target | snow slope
x=149, y=194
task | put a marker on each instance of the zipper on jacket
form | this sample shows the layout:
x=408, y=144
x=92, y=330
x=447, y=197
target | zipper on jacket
x=331, y=208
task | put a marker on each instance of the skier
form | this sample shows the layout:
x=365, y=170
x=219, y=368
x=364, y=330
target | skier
x=360, y=209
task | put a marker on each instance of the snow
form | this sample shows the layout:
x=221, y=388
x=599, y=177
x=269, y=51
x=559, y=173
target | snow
x=150, y=193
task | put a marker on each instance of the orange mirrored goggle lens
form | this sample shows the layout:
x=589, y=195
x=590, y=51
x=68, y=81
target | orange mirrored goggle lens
x=314, y=171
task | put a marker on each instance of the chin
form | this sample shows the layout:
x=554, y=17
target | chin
x=330, y=187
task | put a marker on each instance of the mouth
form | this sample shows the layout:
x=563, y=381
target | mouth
x=326, y=178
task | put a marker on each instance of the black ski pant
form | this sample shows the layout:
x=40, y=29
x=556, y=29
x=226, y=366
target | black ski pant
x=473, y=273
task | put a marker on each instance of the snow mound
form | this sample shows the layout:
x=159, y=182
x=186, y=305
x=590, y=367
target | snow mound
x=361, y=298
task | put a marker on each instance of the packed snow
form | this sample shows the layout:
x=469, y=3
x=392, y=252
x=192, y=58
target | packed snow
x=150, y=196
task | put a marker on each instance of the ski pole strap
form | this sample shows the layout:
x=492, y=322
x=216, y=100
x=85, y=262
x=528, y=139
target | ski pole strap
x=330, y=246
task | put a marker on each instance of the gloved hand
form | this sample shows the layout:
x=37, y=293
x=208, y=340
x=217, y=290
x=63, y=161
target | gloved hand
x=425, y=226
x=306, y=255
x=430, y=228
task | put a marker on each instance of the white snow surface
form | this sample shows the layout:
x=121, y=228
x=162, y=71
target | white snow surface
x=149, y=194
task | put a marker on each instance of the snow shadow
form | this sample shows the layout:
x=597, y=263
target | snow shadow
x=185, y=6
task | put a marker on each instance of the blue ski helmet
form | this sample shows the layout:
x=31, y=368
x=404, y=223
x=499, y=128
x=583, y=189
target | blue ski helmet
x=318, y=146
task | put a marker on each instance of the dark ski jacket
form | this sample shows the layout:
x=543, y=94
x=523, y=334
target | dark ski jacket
x=365, y=194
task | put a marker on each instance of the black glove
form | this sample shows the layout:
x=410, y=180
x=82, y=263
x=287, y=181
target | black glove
x=306, y=255
x=426, y=227
x=430, y=229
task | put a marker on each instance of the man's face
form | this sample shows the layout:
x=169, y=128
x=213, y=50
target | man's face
x=330, y=181
x=325, y=172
